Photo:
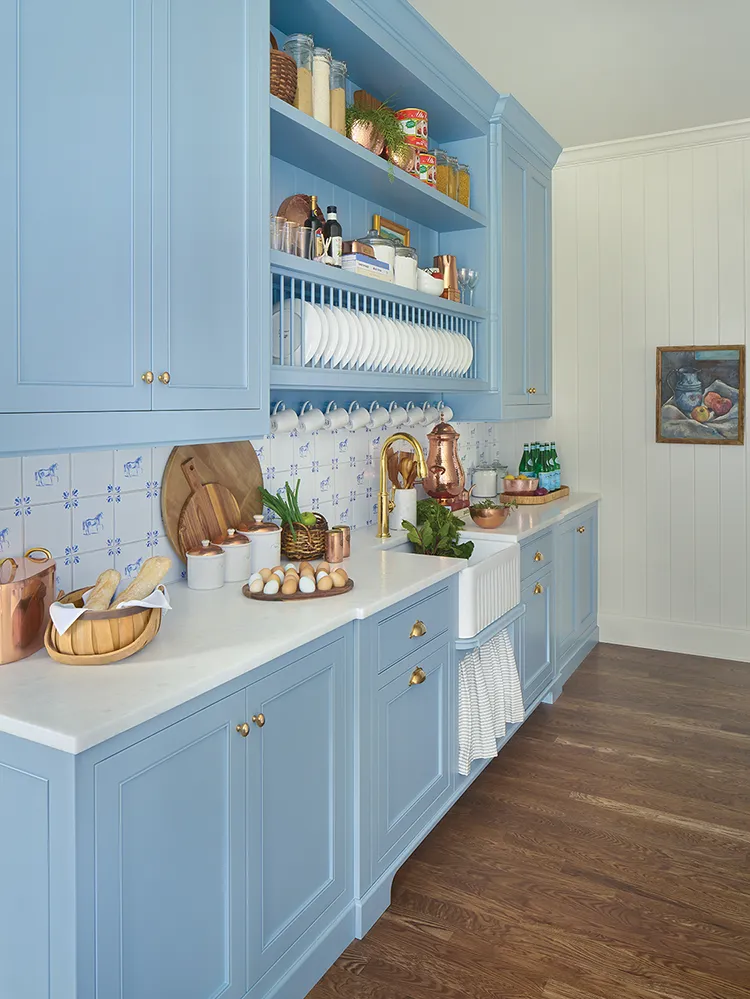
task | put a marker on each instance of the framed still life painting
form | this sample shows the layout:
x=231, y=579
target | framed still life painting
x=700, y=395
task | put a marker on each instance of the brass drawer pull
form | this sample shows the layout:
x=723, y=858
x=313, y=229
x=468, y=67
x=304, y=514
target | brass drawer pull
x=418, y=630
x=164, y=378
x=531, y=391
x=260, y=720
x=148, y=377
x=538, y=588
x=418, y=676
x=244, y=730
x=581, y=530
x=539, y=557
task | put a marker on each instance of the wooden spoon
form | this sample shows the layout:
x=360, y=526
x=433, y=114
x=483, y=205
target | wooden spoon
x=392, y=463
x=405, y=466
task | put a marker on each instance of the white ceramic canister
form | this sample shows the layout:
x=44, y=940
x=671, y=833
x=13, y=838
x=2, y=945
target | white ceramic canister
x=405, y=508
x=485, y=483
x=405, y=267
x=236, y=548
x=265, y=543
x=205, y=567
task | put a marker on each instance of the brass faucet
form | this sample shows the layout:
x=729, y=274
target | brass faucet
x=385, y=503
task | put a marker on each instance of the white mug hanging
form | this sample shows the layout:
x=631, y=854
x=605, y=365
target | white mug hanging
x=335, y=418
x=358, y=418
x=310, y=419
x=378, y=415
x=283, y=420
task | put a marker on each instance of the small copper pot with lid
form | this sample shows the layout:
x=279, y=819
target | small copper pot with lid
x=265, y=542
x=27, y=588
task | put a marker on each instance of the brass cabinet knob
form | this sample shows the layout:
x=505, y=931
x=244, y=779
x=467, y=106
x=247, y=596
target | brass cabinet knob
x=260, y=720
x=539, y=557
x=581, y=530
x=148, y=377
x=538, y=588
x=418, y=676
x=418, y=630
x=164, y=378
x=531, y=391
x=244, y=730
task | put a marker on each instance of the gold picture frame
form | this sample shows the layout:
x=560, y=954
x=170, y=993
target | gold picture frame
x=700, y=394
x=392, y=230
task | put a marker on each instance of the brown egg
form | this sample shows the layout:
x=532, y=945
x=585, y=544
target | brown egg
x=265, y=574
x=323, y=567
x=305, y=565
x=325, y=583
x=289, y=585
x=339, y=577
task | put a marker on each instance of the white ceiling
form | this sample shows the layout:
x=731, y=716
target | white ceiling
x=595, y=70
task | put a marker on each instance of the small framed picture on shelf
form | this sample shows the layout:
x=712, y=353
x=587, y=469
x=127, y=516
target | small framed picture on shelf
x=394, y=231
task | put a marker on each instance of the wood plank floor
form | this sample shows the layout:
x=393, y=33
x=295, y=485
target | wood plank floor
x=604, y=855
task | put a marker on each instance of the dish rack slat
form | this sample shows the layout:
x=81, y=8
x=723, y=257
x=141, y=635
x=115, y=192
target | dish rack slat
x=427, y=348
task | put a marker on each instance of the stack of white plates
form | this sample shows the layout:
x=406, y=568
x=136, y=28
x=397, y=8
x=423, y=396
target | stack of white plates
x=343, y=338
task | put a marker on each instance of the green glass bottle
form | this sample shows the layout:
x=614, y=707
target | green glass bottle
x=555, y=466
x=536, y=459
x=526, y=465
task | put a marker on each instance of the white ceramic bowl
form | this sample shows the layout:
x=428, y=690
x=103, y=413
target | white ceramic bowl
x=429, y=285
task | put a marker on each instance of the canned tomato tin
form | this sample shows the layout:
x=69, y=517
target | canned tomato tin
x=414, y=123
x=427, y=168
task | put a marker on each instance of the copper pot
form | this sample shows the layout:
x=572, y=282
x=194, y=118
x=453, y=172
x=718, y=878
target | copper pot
x=489, y=516
x=445, y=475
x=365, y=134
x=27, y=588
x=408, y=159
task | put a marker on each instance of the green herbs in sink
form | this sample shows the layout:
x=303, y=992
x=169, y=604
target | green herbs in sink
x=437, y=531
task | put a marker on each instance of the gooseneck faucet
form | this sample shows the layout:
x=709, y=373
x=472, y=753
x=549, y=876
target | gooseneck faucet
x=385, y=503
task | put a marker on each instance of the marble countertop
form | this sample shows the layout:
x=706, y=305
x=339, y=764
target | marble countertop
x=207, y=639
x=527, y=520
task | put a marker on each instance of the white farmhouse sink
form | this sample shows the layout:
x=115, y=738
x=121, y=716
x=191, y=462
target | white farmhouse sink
x=488, y=587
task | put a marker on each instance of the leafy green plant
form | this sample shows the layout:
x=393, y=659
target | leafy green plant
x=436, y=531
x=490, y=504
x=384, y=121
x=287, y=510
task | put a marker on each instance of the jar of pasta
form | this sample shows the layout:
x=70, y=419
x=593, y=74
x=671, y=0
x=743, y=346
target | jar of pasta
x=452, y=191
x=464, y=184
x=441, y=170
x=338, y=96
x=300, y=48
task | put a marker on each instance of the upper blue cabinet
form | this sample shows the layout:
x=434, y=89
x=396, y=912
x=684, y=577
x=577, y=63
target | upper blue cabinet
x=132, y=266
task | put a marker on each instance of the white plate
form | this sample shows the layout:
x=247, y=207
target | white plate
x=423, y=351
x=455, y=353
x=428, y=364
x=412, y=344
x=387, y=342
x=323, y=320
x=353, y=355
x=277, y=349
x=402, y=344
x=345, y=337
x=333, y=334
x=313, y=331
x=367, y=342
x=378, y=342
x=469, y=356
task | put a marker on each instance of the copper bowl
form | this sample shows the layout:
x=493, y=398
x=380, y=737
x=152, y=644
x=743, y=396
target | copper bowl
x=365, y=134
x=489, y=516
x=520, y=485
x=408, y=159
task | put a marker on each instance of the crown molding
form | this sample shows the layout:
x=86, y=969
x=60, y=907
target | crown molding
x=728, y=131
x=510, y=114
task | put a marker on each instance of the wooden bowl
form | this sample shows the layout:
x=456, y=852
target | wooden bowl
x=101, y=637
x=489, y=517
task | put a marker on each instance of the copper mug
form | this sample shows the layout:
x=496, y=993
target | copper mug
x=27, y=589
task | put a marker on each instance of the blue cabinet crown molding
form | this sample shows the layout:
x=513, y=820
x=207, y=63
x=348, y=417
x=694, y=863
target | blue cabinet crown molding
x=513, y=116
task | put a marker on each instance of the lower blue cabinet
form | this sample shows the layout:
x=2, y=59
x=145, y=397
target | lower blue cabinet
x=412, y=766
x=576, y=557
x=169, y=839
x=537, y=666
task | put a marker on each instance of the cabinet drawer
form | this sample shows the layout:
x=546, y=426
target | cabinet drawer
x=536, y=554
x=412, y=626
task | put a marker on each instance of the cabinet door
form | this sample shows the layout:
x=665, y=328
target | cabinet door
x=74, y=205
x=566, y=619
x=299, y=800
x=411, y=754
x=210, y=213
x=170, y=861
x=515, y=381
x=538, y=300
x=585, y=534
x=537, y=653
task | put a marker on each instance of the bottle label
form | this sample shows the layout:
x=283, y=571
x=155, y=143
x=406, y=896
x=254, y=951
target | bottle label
x=336, y=249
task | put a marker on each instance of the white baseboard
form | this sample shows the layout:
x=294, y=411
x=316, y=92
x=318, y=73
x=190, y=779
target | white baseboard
x=671, y=636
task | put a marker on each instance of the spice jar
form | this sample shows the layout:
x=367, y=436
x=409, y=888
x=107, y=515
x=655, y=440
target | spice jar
x=405, y=267
x=464, y=184
x=321, y=86
x=300, y=48
x=338, y=96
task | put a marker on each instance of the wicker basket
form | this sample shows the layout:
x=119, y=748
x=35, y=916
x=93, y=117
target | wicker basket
x=283, y=74
x=310, y=543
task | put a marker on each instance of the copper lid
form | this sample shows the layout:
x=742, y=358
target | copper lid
x=260, y=526
x=232, y=538
x=206, y=548
x=443, y=430
x=16, y=570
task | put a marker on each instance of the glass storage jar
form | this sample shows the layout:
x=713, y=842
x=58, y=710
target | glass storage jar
x=383, y=248
x=464, y=184
x=338, y=96
x=321, y=85
x=300, y=48
x=452, y=191
x=441, y=169
x=405, y=267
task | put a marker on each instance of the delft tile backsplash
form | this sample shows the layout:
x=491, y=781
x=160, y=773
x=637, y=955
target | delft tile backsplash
x=101, y=509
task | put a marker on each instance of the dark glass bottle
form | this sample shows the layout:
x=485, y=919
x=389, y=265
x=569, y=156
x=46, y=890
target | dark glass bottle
x=316, y=230
x=332, y=236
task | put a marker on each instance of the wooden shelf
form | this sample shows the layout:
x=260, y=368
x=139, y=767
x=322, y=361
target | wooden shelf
x=302, y=141
x=311, y=270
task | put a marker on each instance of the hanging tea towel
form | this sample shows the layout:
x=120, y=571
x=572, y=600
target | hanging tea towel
x=489, y=697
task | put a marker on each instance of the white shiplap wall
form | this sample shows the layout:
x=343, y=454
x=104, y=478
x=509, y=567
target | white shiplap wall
x=652, y=247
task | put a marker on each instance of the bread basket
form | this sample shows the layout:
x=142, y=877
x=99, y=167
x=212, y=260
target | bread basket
x=310, y=542
x=101, y=637
x=283, y=74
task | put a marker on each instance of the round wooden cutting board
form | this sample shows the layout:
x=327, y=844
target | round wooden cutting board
x=233, y=465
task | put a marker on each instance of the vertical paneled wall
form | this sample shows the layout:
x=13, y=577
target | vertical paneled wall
x=652, y=248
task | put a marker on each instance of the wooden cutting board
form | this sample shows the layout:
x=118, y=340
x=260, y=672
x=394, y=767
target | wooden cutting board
x=209, y=510
x=233, y=465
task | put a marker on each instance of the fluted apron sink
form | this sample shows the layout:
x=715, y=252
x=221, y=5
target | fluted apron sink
x=488, y=587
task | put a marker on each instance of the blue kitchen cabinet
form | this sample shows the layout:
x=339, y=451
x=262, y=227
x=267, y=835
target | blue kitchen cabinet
x=299, y=807
x=576, y=557
x=537, y=664
x=169, y=846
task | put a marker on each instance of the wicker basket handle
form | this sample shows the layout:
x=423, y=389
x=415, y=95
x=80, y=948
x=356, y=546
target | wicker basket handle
x=298, y=524
x=274, y=43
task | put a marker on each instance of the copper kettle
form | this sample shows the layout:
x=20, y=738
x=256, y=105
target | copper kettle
x=27, y=589
x=445, y=474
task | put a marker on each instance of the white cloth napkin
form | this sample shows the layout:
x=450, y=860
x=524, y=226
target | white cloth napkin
x=489, y=697
x=64, y=615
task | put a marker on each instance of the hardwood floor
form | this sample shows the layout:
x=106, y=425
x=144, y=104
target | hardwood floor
x=604, y=855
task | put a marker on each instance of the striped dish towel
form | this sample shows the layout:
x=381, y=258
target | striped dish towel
x=489, y=696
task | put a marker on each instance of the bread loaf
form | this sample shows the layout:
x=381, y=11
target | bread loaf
x=152, y=572
x=104, y=589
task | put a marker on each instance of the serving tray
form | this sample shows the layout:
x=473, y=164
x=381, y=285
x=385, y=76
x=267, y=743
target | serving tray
x=522, y=500
x=335, y=592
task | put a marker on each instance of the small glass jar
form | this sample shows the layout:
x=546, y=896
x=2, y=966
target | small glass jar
x=300, y=48
x=338, y=96
x=383, y=248
x=452, y=191
x=464, y=184
x=321, y=85
x=405, y=267
x=441, y=169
